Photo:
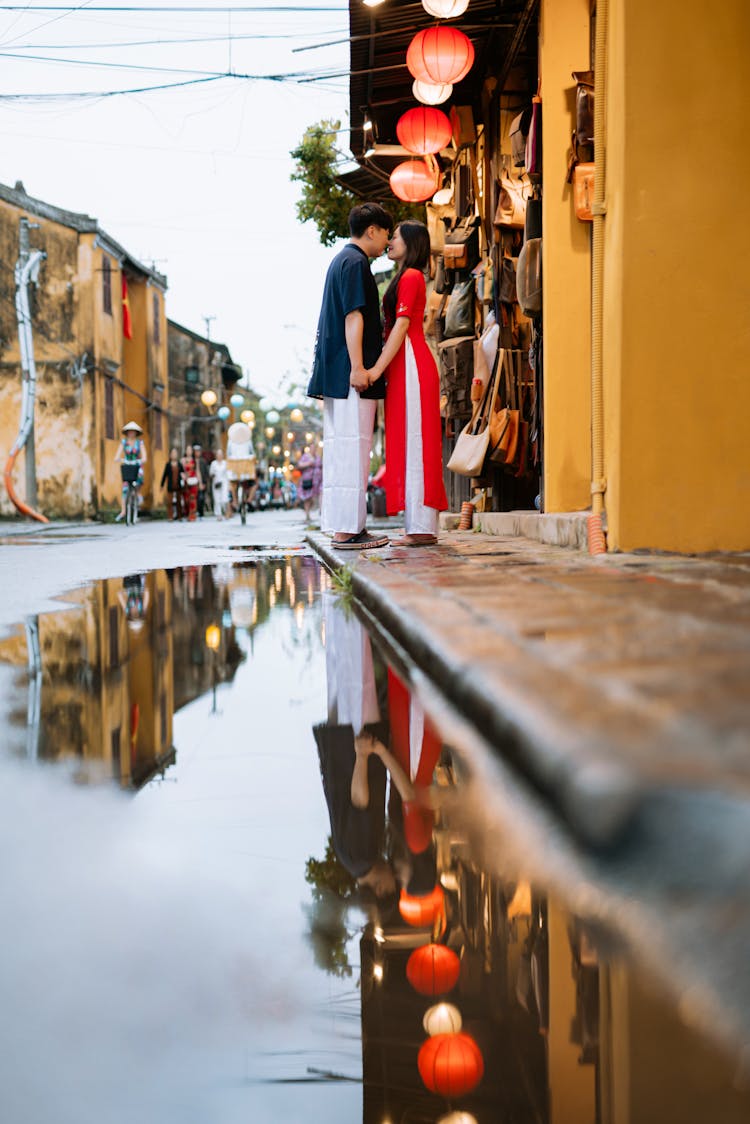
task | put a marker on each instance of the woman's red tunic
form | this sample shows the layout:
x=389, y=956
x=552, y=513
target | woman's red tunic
x=410, y=301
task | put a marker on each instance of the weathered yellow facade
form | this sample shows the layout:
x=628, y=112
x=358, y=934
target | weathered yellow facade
x=90, y=378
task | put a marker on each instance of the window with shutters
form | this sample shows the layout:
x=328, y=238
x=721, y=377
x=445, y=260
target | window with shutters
x=109, y=408
x=106, y=284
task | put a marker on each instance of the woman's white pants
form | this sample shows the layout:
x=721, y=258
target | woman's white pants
x=418, y=519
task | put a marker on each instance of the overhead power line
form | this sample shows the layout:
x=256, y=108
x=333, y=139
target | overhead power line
x=211, y=9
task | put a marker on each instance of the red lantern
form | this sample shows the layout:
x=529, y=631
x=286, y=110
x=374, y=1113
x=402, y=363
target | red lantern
x=451, y=1064
x=440, y=55
x=433, y=969
x=424, y=130
x=421, y=912
x=413, y=181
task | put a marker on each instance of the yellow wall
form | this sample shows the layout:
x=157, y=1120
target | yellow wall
x=566, y=267
x=677, y=284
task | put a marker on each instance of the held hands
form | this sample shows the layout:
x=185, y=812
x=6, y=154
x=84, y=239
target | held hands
x=359, y=378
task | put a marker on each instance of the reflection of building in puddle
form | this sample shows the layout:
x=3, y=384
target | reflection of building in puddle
x=479, y=994
x=100, y=680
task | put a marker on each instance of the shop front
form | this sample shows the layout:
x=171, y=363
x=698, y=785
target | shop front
x=563, y=263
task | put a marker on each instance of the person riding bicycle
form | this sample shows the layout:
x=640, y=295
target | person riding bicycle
x=241, y=463
x=131, y=450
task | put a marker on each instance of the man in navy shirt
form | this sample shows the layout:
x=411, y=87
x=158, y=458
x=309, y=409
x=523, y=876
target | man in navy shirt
x=348, y=343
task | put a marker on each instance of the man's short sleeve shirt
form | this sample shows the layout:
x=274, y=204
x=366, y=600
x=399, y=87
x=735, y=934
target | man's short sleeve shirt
x=349, y=287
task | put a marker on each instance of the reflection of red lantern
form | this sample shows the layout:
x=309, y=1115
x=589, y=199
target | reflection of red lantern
x=413, y=181
x=433, y=969
x=451, y=1064
x=440, y=55
x=421, y=912
x=424, y=130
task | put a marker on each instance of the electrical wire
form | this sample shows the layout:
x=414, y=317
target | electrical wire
x=68, y=9
x=112, y=44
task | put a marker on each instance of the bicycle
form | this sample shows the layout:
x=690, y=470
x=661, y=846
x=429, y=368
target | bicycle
x=129, y=473
x=245, y=489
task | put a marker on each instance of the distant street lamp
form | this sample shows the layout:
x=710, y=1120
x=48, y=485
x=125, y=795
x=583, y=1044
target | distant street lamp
x=248, y=417
x=270, y=431
x=296, y=415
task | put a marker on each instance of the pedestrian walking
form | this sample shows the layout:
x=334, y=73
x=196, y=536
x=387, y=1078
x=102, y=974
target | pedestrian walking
x=413, y=436
x=348, y=342
x=219, y=474
x=309, y=471
x=190, y=471
x=131, y=450
x=173, y=479
x=201, y=471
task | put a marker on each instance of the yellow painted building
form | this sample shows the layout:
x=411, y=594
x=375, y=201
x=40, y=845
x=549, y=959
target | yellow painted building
x=645, y=402
x=90, y=378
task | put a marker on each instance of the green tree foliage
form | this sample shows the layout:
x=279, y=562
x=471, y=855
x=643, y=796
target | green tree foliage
x=324, y=201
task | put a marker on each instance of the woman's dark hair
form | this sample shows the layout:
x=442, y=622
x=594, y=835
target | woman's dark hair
x=417, y=241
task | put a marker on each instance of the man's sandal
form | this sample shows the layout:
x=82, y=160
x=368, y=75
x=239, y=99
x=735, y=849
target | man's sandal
x=363, y=541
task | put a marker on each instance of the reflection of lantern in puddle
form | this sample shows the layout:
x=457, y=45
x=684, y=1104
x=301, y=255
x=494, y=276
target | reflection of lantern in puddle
x=299, y=614
x=277, y=579
x=421, y=911
x=377, y=972
x=433, y=969
x=450, y=1064
x=272, y=597
x=443, y=1018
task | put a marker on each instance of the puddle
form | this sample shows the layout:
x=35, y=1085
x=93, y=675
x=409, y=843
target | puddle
x=259, y=917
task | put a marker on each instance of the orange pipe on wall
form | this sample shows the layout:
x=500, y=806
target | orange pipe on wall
x=20, y=506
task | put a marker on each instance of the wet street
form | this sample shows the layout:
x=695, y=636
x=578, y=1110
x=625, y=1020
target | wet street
x=257, y=868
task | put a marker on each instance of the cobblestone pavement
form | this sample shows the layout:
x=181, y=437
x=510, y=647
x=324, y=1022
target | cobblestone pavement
x=608, y=703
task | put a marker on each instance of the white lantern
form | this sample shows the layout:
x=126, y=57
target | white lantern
x=429, y=93
x=445, y=9
x=443, y=1018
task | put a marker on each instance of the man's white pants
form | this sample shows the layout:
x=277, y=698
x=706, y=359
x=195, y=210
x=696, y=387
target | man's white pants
x=348, y=425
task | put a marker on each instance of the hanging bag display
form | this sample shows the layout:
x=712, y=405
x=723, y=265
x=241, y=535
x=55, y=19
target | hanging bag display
x=507, y=294
x=459, y=315
x=583, y=138
x=461, y=249
x=468, y=456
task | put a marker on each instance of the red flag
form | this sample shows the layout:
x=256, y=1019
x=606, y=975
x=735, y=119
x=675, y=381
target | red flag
x=127, y=323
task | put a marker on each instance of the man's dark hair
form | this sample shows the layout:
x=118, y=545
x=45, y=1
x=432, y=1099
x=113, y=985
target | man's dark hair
x=368, y=214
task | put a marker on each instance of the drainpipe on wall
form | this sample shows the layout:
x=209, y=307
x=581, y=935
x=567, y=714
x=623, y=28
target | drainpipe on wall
x=596, y=535
x=27, y=272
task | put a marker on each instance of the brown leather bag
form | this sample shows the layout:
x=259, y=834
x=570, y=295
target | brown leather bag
x=504, y=423
x=583, y=191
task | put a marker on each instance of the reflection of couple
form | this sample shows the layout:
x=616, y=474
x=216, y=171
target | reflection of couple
x=352, y=369
x=355, y=762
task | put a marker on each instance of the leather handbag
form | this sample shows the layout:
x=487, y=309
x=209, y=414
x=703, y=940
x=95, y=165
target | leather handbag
x=519, y=130
x=507, y=293
x=459, y=315
x=584, y=134
x=583, y=191
x=505, y=422
x=529, y=277
x=468, y=456
x=461, y=249
x=533, y=228
x=511, y=204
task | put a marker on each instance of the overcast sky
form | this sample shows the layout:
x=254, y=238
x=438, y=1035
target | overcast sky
x=194, y=179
